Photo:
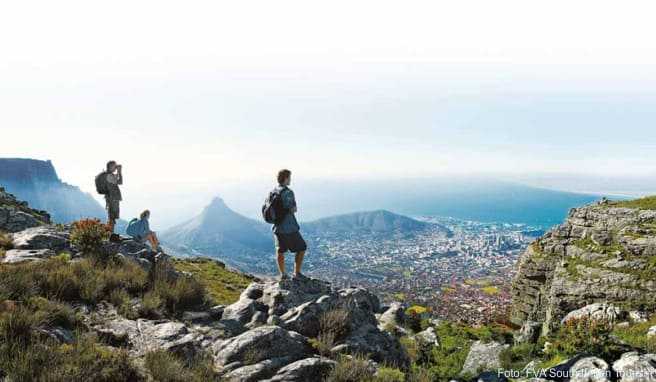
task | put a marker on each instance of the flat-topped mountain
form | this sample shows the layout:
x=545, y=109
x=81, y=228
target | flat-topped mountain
x=379, y=221
x=36, y=182
x=603, y=253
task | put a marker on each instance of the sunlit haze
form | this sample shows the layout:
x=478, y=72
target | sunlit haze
x=203, y=95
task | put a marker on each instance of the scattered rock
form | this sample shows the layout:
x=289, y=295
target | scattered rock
x=635, y=367
x=483, y=356
x=428, y=337
x=529, y=332
x=652, y=331
x=637, y=316
x=598, y=312
x=309, y=369
x=393, y=316
x=490, y=376
x=259, y=344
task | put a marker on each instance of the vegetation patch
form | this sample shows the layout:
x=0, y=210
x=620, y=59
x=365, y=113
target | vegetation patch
x=646, y=203
x=222, y=285
x=167, y=367
x=635, y=335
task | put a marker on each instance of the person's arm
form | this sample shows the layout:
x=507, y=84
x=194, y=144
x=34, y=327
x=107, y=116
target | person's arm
x=291, y=201
x=119, y=180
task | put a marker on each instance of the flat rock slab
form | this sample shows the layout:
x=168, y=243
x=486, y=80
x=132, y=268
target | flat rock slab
x=21, y=255
x=43, y=237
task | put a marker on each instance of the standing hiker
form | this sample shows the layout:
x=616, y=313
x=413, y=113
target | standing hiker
x=279, y=209
x=107, y=183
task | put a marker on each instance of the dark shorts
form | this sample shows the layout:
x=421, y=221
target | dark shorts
x=113, y=209
x=292, y=242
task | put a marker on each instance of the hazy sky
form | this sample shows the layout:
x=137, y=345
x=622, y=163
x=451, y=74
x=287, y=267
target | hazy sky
x=198, y=94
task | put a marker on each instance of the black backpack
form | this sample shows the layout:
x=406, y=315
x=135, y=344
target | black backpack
x=101, y=183
x=272, y=211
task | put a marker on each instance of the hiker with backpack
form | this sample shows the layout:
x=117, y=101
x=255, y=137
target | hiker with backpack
x=139, y=229
x=279, y=209
x=107, y=183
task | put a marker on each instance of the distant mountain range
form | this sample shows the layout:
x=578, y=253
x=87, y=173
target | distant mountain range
x=36, y=182
x=248, y=244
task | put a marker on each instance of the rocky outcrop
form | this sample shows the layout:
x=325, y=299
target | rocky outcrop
x=16, y=215
x=635, y=367
x=483, y=356
x=601, y=254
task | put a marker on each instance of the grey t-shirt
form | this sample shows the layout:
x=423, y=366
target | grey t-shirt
x=288, y=223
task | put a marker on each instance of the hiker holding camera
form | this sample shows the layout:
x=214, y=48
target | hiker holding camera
x=107, y=183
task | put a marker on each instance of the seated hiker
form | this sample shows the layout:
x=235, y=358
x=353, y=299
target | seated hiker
x=139, y=229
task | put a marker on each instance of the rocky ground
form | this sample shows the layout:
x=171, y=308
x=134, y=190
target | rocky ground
x=146, y=315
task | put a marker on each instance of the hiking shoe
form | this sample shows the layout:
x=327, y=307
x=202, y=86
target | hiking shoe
x=284, y=277
x=299, y=277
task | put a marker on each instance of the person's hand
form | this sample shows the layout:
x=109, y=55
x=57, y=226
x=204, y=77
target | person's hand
x=119, y=167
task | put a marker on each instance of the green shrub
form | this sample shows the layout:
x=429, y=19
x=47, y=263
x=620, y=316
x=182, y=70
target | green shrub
x=583, y=335
x=6, y=242
x=518, y=356
x=151, y=305
x=388, y=374
x=88, y=235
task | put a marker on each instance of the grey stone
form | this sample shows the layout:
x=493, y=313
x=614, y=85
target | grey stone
x=20, y=255
x=264, y=342
x=635, y=367
x=652, y=331
x=309, y=369
x=393, y=316
x=428, y=336
x=590, y=369
x=42, y=237
x=483, y=356
x=597, y=312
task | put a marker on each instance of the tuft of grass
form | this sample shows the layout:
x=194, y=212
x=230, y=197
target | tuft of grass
x=177, y=294
x=583, y=335
x=167, y=367
x=349, y=369
x=490, y=290
x=223, y=286
x=389, y=374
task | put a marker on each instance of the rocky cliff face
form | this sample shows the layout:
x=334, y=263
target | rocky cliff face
x=603, y=253
x=16, y=215
x=36, y=181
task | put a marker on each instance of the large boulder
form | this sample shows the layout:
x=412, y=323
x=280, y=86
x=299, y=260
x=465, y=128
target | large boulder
x=483, y=357
x=597, y=312
x=309, y=369
x=262, y=343
x=635, y=367
x=590, y=369
x=257, y=371
x=43, y=237
x=392, y=317
x=20, y=255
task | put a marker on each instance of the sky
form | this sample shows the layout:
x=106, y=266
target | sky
x=201, y=95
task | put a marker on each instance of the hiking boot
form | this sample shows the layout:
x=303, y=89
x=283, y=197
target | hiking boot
x=284, y=277
x=299, y=276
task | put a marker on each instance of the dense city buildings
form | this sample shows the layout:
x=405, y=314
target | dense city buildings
x=460, y=270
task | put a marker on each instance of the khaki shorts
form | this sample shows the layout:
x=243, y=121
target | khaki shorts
x=113, y=209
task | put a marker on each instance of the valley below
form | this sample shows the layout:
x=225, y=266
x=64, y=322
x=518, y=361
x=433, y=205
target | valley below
x=458, y=270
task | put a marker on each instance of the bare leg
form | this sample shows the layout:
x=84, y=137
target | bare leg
x=111, y=223
x=298, y=262
x=152, y=238
x=281, y=262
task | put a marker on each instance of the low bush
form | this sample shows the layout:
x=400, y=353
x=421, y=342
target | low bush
x=583, y=335
x=28, y=354
x=167, y=367
x=6, y=243
x=388, y=374
x=89, y=234
x=351, y=369
x=518, y=356
x=635, y=335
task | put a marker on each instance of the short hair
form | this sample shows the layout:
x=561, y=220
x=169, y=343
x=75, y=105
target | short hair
x=144, y=214
x=110, y=164
x=283, y=175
